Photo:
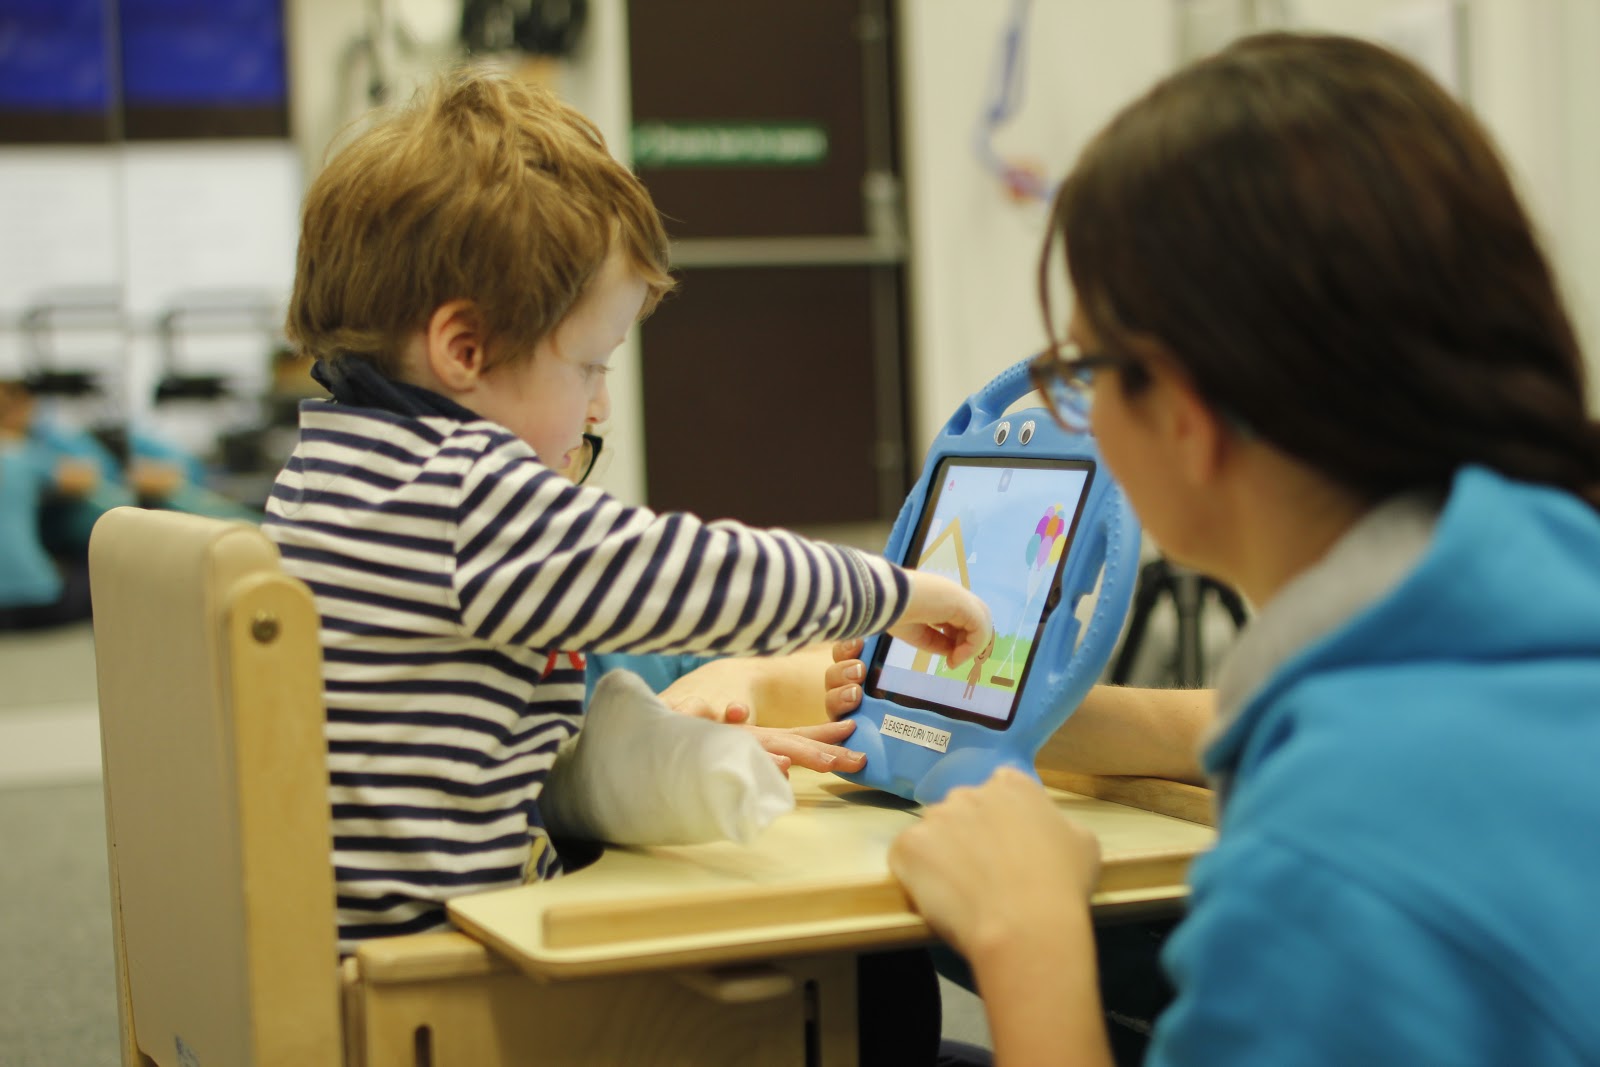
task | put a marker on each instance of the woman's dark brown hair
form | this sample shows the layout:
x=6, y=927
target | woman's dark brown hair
x=1329, y=246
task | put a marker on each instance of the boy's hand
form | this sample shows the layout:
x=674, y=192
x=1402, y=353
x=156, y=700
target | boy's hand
x=815, y=747
x=818, y=748
x=698, y=707
x=843, y=679
x=944, y=618
x=720, y=691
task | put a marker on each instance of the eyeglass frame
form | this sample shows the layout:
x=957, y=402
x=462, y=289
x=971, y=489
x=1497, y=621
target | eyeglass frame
x=596, y=443
x=1064, y=375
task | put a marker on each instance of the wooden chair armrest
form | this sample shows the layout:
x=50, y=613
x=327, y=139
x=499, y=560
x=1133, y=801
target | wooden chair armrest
x=425, y=957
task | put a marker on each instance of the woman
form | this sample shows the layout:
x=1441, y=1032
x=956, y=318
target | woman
x=1330, y=366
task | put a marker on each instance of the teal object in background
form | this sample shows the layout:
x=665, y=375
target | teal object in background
x=27, y=575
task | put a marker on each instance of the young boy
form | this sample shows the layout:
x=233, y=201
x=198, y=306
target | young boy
x=466, y=268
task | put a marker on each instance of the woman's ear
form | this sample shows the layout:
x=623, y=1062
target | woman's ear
x=454, y=345
x=1194, y=436
x=1203, y=437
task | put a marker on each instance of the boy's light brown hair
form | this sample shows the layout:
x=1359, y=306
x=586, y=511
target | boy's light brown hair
x=481, y=188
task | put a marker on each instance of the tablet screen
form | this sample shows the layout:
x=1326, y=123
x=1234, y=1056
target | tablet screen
x=1002, y=528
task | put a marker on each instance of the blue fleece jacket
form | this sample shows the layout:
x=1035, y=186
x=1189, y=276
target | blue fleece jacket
x=1408, y=869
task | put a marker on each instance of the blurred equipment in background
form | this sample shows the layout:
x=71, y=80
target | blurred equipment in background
x=252, y=454
x=537, y=36
x=192, y=315
x=774, y=379
x=538, y=27
x=376, y=52
x=1189, y=592
x=91, y=311
x=226, y=405
x=178, y=108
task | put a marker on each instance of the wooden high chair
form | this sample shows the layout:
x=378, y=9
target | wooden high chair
x=222, y=884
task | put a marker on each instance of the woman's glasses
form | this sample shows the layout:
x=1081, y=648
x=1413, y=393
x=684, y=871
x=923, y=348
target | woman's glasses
x=1065, y=376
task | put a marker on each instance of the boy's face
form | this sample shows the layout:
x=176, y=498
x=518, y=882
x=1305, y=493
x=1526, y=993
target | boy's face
x=550, y=400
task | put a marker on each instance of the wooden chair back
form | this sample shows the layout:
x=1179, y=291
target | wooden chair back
x=216, y=778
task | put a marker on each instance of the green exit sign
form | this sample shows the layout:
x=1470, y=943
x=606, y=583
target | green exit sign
x=729, y=144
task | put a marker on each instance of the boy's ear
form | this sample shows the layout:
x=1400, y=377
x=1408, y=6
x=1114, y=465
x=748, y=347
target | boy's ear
x=454, y=344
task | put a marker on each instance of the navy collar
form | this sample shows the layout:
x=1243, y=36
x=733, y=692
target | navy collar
x=356, y=382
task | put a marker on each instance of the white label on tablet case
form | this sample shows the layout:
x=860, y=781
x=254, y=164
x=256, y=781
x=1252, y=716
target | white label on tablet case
x=916, y=733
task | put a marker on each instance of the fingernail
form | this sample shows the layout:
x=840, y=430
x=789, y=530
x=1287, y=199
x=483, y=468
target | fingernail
x=856, y=672
x=852, y=693
x=851, y=754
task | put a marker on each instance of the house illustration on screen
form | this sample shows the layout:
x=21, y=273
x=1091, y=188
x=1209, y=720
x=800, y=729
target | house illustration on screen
x=945, y=555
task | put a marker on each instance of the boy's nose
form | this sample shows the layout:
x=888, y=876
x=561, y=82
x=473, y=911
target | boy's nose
x=600, y=404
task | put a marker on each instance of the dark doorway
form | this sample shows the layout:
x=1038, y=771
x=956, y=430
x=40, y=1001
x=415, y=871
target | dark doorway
x=774, y=379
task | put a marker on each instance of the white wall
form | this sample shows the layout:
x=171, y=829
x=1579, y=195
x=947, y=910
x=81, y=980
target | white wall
x=974, y=306
x=1531, y=77
x=1530, y=73
x=1578, y=248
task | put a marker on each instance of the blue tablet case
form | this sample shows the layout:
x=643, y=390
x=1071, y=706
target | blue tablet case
x=1024, y=513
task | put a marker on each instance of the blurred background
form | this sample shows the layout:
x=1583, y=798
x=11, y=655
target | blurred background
x=856, y=191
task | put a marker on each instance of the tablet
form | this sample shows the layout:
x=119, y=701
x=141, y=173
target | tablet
x=1002, y=527
x=1020, y=510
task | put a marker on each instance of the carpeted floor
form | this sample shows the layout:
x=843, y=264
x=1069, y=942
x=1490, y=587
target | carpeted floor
x=57, y=991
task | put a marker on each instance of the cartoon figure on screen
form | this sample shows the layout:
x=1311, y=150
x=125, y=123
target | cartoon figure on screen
x=977, y=668
x=1041, y=556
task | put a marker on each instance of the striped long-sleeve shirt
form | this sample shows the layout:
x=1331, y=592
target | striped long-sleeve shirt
x=455, y=576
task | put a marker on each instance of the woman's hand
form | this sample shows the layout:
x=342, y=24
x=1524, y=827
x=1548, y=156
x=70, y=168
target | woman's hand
x=989, y=865
x=1005, y=878
x=843, y=678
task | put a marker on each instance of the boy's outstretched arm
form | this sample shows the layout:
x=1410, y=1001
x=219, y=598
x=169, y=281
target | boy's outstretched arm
x=544, y=564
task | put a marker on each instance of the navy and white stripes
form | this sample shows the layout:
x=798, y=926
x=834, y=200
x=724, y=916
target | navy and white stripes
x=448, y=566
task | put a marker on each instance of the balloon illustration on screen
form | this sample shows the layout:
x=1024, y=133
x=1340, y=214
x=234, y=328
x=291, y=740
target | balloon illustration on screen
x=1042, y=554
